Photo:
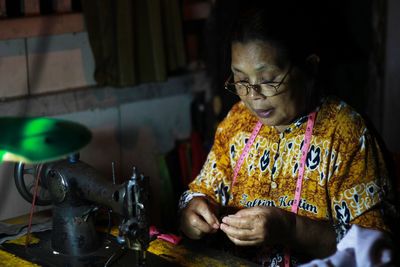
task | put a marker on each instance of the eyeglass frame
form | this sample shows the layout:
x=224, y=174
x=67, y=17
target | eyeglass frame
x=257, y=87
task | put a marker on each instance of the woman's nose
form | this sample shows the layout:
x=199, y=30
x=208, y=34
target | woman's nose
x=254, y=92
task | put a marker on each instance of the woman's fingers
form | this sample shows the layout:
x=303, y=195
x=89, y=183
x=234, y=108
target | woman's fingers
x=210, y=218
x=193, y=232
x=241, y=237
x=239, y=221
x=239, y=233
x=202, y=209
x=199, y=223
x=199, y=219
x=239, y=242
x=246, y=227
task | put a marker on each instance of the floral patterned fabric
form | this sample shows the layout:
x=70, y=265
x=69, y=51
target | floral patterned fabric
x=345, y=178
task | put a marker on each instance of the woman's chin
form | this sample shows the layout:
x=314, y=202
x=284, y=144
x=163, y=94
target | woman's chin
x=277, y=124
x=271, y=122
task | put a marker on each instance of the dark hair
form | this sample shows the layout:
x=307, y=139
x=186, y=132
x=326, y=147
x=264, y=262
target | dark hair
x=289, y=26
x=284, y=23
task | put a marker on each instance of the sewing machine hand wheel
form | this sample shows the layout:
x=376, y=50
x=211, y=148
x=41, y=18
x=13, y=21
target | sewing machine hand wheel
x=24, y=177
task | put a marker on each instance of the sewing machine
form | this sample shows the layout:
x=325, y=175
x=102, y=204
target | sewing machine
x=76, y=191
x=45, y=148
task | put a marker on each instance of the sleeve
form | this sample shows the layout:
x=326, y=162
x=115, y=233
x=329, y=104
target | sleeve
x=214, y=178
x=359, y=185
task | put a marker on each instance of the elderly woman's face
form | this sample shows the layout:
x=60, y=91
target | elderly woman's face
x=257, y=62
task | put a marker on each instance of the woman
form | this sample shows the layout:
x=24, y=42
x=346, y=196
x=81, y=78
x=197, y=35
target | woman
x=289, y=171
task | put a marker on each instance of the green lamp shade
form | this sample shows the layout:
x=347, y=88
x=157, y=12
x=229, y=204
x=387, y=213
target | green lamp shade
x=35, y=140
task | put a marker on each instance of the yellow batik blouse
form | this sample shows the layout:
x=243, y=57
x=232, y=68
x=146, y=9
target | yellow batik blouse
x=345, y=179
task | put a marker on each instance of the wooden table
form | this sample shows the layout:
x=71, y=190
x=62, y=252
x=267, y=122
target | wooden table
x=160, y=253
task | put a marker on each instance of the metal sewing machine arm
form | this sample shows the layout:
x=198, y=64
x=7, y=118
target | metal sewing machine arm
x=76, y=190
x=135, y=227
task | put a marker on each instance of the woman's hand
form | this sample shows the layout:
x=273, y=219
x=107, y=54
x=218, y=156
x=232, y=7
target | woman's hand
x=259, y=225
x=198, y=218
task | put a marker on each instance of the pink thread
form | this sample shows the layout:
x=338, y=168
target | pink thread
x=171, y=238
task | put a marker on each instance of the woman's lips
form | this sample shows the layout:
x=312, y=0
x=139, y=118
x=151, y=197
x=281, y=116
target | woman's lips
x=264, y=113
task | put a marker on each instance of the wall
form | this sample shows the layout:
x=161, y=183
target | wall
x=52, y=76
x=391, y=96
x=37, y=65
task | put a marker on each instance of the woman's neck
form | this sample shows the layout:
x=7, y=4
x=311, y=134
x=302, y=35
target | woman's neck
x=281, y=128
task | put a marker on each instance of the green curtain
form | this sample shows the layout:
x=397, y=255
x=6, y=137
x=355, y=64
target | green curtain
x=134, y=41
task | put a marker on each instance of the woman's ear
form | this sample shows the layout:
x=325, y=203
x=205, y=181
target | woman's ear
x=312, y=64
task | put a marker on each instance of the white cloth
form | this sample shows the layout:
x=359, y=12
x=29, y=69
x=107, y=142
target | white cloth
x=360, y=247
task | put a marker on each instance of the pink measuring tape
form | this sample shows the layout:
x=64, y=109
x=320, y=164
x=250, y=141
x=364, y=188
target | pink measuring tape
x=299, y=184
x=246, y=150
x=304, y=150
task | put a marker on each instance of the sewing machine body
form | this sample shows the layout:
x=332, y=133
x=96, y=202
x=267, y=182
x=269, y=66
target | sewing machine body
x=76, y=191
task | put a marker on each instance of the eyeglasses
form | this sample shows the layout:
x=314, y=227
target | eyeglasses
x=267, y=88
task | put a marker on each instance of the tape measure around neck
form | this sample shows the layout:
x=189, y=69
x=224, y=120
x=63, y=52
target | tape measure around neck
x=304, y=150
x=299, y=184
x=306, y=144
x=300, y=177
x=244, y=153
